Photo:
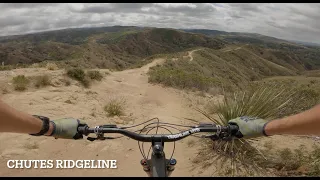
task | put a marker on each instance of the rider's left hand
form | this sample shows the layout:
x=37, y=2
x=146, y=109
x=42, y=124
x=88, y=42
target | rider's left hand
x=67, y=128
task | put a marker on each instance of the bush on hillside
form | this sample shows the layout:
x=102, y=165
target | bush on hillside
x=42, y=81
x=20, y=82
x=95, y=75
x=79, y=75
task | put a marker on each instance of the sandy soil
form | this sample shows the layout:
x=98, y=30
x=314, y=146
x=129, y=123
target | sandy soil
x=144, y=101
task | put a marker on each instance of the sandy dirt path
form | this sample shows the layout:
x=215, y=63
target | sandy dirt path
x=190, y=54
x=144, y=101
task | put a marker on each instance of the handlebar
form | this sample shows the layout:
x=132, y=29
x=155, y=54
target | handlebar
x=228, y=130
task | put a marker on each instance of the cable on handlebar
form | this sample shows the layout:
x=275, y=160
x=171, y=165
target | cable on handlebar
x=142, y=152
x=127, y=127
x=158, y=125
x=151, y=128
x=161, y=126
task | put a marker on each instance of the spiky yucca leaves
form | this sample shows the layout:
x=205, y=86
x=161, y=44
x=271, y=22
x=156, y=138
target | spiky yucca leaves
x=240, y=156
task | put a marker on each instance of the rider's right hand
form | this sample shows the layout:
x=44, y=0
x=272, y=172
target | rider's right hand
x=249, y=127
x=67, y=128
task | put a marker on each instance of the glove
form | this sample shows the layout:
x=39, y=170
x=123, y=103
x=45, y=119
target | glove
x=249, y=127
x=67, y=128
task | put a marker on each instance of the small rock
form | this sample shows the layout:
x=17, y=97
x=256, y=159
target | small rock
x=68, y=101
x=130, y=149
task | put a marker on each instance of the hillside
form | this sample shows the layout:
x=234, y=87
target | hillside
x=282, y=50
x=122, y=47
x=229, y=67
x=114, y=47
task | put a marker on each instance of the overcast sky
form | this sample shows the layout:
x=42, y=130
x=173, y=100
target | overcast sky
x=286, y=21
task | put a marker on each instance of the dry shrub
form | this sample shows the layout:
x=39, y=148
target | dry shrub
x=115, y=107
x=51, y=66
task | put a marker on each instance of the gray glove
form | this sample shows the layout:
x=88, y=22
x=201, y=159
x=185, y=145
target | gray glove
x=249, y=127
x=67, y=128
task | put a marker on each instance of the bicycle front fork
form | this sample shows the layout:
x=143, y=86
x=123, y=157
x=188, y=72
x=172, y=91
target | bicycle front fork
x=170, y=163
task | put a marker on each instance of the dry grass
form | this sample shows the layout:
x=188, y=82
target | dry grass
x=35, y=65
x=20, y=82
x=115, y=107
x=42, y=81
x=292, y=162
x=268, y=145
x=51, y=66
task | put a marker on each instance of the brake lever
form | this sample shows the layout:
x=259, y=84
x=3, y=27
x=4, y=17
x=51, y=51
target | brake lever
x=216, y=137
x=91, y=139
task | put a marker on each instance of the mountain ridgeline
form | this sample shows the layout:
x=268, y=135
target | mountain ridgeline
x=221, y=56
x=113, y=47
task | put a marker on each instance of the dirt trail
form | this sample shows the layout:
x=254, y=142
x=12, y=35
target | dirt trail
x=144, y=101
x=190, y=56
x=228, y=50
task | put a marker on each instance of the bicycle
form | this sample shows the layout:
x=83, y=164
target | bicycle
x=158, y=165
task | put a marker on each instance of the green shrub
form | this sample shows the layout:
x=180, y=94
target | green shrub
x=181, y=79
x=79, y=75
x=20, y=82
x=95, y=75
x=115, y=107
x=76, y=73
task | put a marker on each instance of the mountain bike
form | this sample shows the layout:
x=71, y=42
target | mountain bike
x=158, y=165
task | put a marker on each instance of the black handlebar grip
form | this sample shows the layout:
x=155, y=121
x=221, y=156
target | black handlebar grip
x=233, y=129
x=82, y=129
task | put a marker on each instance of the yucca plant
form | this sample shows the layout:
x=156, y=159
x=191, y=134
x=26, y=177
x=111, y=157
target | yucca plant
x=240, y=156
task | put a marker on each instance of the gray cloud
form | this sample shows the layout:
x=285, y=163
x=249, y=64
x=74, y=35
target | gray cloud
x=286, y=21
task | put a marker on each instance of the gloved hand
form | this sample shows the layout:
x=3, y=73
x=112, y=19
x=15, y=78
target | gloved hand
x=67, y=128
x=249, y=127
